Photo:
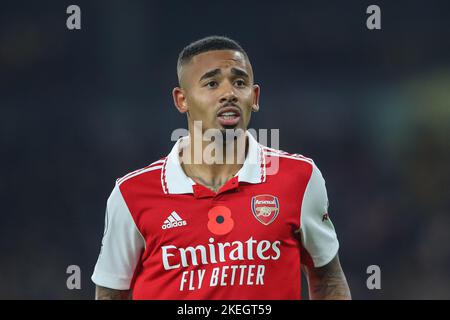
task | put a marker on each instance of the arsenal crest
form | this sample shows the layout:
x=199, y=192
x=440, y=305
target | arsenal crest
x=265, y=208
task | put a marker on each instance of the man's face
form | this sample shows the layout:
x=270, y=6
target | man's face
x=217, y=88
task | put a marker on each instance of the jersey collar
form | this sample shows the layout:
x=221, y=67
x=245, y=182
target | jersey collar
x=175, y=181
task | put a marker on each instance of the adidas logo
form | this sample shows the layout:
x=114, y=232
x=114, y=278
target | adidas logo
x=173, y=221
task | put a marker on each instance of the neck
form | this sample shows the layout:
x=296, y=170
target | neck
x=213, y=163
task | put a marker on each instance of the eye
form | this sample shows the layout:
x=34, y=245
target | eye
x=212, y=84
x=240, y=83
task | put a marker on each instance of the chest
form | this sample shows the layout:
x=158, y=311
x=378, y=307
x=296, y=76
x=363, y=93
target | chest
x=262, y=212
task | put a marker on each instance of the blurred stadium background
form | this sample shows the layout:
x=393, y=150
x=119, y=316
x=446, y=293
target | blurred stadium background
x=80, y=108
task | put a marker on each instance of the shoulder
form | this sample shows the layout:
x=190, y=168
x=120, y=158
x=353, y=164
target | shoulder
x=286, y=155
x=149, y=173
x=288, y=163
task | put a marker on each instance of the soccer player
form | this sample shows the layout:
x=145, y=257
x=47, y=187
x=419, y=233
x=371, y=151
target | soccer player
x=232, y=228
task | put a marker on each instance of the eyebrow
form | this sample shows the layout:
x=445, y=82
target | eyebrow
x=239, y=73
x=210, y=74
x=234, y=72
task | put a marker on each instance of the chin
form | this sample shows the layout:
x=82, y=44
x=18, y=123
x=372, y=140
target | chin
x=235, y=130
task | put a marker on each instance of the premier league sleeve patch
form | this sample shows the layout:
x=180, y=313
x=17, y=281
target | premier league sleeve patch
x=265, y=208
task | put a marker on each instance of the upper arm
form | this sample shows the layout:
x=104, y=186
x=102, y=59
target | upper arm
x=102, y=293
x=122, y=245
x=317, y=232
x=328, y=281
x=333, y=267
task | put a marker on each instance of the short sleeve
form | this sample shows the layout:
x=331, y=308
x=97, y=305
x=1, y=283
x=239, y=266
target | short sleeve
x=318, y=235
x=122, y=245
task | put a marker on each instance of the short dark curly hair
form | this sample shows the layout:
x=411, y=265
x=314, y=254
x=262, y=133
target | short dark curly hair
x=210, y=43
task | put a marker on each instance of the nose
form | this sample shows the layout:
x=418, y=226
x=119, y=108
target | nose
x=229, y=96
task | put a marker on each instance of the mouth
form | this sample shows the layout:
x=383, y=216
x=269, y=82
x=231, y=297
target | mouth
x=229, y=116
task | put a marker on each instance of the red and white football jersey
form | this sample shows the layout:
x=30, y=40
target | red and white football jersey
x=167, y=237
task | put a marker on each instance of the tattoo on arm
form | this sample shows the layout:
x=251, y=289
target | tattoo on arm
x=102, y=293
x=328, y=282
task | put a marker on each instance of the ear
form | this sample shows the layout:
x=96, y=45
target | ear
x=256, y=92
x=179, y=99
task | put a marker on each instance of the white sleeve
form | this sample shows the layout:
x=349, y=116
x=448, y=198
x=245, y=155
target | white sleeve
x=122, y=245
x=317, y=231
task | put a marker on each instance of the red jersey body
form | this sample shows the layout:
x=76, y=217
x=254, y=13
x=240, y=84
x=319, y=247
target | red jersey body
x=167, y=237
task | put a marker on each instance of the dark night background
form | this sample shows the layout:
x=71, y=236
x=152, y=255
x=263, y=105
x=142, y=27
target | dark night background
x=79, y=109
